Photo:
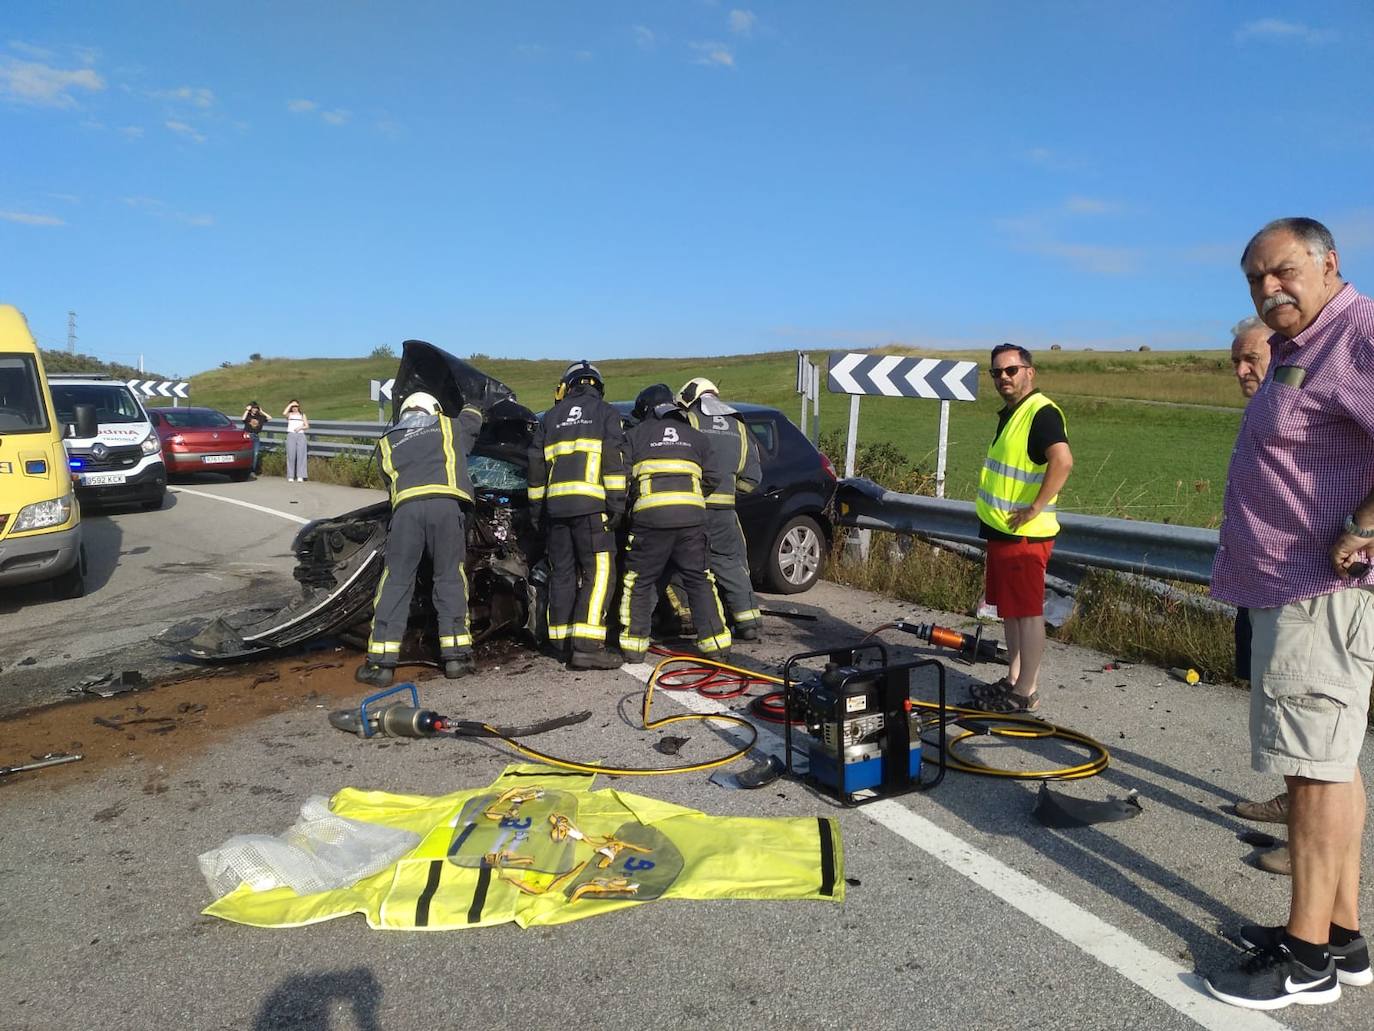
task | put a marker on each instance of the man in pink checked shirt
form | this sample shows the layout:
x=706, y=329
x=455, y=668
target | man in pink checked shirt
x=1297, y=534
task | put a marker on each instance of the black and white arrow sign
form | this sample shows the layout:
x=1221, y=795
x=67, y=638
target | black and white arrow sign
x=160, y=388
x=381, y=389
x=890, y=375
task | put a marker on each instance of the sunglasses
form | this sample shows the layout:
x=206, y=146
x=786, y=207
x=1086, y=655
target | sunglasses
x=1006, y=370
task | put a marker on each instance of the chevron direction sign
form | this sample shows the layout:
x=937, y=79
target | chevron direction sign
x=160, y=388
x=890, y=375
x=381, y=389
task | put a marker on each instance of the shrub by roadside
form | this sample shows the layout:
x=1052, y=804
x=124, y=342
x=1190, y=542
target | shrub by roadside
x=345, y=470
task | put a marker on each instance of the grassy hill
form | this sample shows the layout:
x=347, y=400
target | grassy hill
x=61, y=361
x=1151, y=431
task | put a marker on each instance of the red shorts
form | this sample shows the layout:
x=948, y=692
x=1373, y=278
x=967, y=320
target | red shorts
x=1016, y=577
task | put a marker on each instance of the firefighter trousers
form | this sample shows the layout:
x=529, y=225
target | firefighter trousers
x=433, y=525
x=581, y=554
x=647, y=553
x=729, y=562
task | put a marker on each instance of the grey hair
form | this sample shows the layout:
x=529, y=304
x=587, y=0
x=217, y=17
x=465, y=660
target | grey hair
x=1245, y=325
x=1313, y=235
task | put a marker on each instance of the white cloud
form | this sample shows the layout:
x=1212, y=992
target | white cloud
x=42, y=85
x=198, y=96
x=29, y=50
x=644, y=37
x=160, y=209
x=1090, y=206
x=1053, y=160
x=336, y=117
x=182, y=129
x=199, y=221
x=742, y=22
x=713, y=54
x=26, y=219
x=1103, y=260
x=1280, y=30
x=583, y=55
x=132, y=132
x=66, y=198
x=301, y=107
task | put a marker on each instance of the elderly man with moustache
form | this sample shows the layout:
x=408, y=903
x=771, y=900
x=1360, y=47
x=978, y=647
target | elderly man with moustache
x=1297, y=533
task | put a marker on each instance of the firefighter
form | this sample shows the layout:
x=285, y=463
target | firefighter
x=735, y=460
x=669, y=463
x=424, y=458
x=577, y=492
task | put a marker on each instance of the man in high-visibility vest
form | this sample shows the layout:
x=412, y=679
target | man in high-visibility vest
x=735, y=458
x=577, y=491
x=424, y=459
x=1025, y=468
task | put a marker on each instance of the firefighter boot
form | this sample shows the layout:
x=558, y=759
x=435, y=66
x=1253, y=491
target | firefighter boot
x=460, y=666
x=377, y=676
x=601, y=658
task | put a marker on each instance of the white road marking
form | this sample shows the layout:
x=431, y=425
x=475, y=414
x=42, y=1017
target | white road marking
x=241, y=504
x=1177, y=987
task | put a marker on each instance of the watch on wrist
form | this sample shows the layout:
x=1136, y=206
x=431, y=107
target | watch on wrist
x=1357, y=531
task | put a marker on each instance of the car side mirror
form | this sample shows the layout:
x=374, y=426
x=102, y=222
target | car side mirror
x=154, y=418
x=85, y=425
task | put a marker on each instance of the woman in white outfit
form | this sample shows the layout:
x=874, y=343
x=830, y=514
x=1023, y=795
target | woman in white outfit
x=296, y=425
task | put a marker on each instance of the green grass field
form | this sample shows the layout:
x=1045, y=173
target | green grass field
x=1151, y=431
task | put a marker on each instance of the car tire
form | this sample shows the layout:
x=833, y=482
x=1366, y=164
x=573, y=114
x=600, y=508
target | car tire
x=241, y=475
x=72, y=583
x=153, y=504
x=794, y=560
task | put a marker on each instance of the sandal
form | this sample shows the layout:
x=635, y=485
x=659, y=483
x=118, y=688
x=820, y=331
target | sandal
x=1008, y=703
x=987, y=692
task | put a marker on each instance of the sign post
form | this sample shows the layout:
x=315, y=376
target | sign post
x=380, y=391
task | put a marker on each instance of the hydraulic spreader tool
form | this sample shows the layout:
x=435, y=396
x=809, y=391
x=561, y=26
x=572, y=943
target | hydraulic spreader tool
x=859, y=728
x=971, y=647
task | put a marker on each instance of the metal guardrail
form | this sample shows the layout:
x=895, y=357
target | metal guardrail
x=326, y=439
x=1150, y=549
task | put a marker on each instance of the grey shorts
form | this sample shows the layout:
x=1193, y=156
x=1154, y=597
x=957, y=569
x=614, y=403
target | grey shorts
x=1312, y=669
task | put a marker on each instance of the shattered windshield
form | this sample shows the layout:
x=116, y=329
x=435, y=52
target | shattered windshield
x=495, y=474
x=21, y=411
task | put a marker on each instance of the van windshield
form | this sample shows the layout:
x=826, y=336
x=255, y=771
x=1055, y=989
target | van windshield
x=21, y=406
x=112, y=402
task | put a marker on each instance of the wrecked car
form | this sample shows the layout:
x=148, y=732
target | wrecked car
x=339, y=561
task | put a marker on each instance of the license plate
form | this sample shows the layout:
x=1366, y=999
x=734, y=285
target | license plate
x=101, y=479
x=210, y=459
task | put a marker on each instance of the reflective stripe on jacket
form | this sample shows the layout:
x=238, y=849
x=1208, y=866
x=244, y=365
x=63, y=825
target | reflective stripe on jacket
x=426, y=455
x=669, y=465
x=576, y=461
x=1010, y=480
x=734, y=455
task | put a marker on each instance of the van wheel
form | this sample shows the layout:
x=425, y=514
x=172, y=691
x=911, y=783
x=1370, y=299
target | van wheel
x=72, y=583
x=153, y=504
x=794, y=560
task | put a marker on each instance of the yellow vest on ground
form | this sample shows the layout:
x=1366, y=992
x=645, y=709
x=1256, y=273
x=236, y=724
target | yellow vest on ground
x=1010, y=480
x=538, y=846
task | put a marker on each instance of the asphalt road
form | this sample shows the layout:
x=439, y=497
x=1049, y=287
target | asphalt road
x=961, y=909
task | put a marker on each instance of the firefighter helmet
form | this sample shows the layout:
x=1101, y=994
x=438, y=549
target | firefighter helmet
x=694, y=388
x=650, y=398
x=423, y=401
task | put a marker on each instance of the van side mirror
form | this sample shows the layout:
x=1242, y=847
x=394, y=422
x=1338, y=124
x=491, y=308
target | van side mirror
x=154, y=418
x=85, y=425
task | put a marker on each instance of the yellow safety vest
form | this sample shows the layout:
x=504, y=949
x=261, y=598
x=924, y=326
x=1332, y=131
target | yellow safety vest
x=1010, y=480
x=538, y=846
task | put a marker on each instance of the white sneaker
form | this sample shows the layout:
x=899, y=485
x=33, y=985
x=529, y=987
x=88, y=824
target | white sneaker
x=290, y=479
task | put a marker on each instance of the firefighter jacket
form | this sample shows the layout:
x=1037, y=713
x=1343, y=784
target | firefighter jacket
x=576, y=459
x=540, y=847
x=734, y=452
x=670, y=467
x=1010, y=480
x=425, y=456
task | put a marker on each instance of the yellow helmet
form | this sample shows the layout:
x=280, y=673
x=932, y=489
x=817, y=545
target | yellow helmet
x=694, y=388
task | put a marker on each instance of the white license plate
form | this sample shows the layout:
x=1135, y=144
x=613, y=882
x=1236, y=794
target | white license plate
x=211, y=459
x=101, y=479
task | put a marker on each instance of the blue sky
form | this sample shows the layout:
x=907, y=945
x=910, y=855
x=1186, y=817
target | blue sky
x=205, y=179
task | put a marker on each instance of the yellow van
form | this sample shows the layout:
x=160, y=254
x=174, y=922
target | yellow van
x=40, y=519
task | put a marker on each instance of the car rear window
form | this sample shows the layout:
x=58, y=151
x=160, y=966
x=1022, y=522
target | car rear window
x=184, y=419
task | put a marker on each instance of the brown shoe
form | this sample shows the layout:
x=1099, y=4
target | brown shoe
x=1273, y=811
x=1276, y=860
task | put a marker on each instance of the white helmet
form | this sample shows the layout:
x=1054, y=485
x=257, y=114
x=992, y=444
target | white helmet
x=423, y=401
x=694, y=388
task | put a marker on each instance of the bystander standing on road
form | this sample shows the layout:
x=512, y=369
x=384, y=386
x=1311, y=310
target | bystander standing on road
x=254, y=419
x=1250, y=360
x=1025, y=468
x=296, y=446
x=1296, y=536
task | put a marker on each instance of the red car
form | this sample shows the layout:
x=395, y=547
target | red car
x=202, y=440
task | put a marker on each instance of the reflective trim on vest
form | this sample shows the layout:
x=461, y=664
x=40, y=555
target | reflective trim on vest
x=613, y=481
x=678, y=466
x=672, y=497
x=588, y=483
x=578, y=488
x=720, y=499
x=537, y=493
x=1009, y=480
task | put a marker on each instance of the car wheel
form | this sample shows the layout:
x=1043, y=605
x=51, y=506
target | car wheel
x=72, y=583
x=794, y=561
x=153, y=504
x=241, y=475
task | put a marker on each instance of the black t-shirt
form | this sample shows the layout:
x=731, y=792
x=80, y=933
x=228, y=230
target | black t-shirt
x=253, y=422
x=1047, y=429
